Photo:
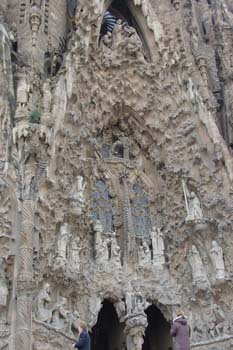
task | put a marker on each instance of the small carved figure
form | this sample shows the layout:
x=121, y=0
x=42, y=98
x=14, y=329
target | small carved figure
x=60, y=315
x=193, y=205
x=115, y=251
x=144, y=254
x=74, y=259
x=3, y=293
x=73, y=322
x=23, y=89
x=198, y=270
x=42, y=311
x=62, y=242
x=47, y=96
x=158, y=247
x=117, y=34
x=217, y=258
x=78, y=190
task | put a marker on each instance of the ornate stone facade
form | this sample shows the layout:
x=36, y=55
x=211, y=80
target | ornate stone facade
x=116, y=170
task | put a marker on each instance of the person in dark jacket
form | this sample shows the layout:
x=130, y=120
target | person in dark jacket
x=181, y=331
x=84, y=341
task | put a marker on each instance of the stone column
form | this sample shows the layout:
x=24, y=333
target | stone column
x=135, y=331
x=25, y=278
x=32, y=158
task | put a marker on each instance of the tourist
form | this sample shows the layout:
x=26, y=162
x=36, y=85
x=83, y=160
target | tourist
x=84, y=341
x=181, y=331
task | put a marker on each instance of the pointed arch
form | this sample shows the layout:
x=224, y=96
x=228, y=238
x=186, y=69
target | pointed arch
x=136, y=19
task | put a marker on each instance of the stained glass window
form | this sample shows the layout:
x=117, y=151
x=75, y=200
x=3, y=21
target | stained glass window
x=102, y=206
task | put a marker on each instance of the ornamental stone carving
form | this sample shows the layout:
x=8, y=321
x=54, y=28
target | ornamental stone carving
x=217, y=259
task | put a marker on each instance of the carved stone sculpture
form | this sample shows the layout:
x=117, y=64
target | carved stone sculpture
x=4, y=292
x=198, y=270
x=144, y=255
x=217, y=259
x=193, y=205
x=115, y=251
x=158, y=247
x=60, y=315
x=74, y=256
x=101, y=244
x=42, y=311
x=62, y=242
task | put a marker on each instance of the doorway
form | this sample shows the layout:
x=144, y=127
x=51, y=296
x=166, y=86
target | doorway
x=157, y=336
x=108, y=333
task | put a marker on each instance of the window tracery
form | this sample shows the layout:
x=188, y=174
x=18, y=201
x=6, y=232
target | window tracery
x=102, y=206
x=140, y=211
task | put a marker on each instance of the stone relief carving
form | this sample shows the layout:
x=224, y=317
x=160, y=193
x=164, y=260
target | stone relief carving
x=193, y=206
x=42, y=311
x=123, y=40
x=158, y=103
x=144, y=255
x=101, y=244
x=4, y=294
x=62, y=242
x=60, y=315
x=199, y=274
x=217, y=259
x=158, y=247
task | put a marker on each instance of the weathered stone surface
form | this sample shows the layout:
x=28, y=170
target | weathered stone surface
x=116, y=138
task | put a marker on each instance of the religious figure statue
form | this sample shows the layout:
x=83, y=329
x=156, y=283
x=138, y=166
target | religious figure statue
x=62, y=242
x=193, y=205
x=115, y=251
x=73, y=322
x=23, y=88
x=101, y=244
x=47, y=96
x=216, y=253
x=60, y=315
x=134, y=43
x=3, y=294
x=158, y=247
x=74, y=258
x=77, y=191
x=42, y=311
x=198, y=269
x=144, y=254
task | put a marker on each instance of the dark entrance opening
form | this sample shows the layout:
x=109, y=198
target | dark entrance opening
x=108, y=333
x=158, y=331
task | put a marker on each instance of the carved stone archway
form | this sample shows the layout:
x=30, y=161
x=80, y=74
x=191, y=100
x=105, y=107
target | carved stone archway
x=108, y=334
x=157, y=334
x=141, y=25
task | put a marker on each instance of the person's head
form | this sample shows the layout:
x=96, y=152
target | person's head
x=179, y=313
x=82, y=326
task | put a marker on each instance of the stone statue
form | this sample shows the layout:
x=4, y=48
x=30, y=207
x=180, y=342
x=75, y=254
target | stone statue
x=60, y=315
x=23, y=89
x=144, y=254
x=158, y=247
x=198, y=269
x=193, y=205
x=117, y=34
x=101, y=244
x=3, y=294
x=80, y=190
x=42, y=312
x=73, y=322
x=74, y=258
x=47, y=96
x=216, y=253
x=134, y=44
x=115, y=251
x=62, y=242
